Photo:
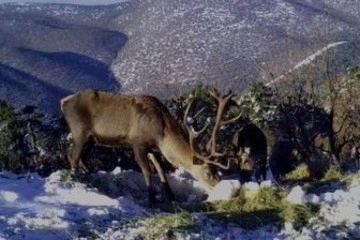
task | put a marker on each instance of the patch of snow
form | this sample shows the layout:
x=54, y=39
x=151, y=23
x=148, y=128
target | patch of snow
x=8, y=196
x=224, y=190
x=312, y=198
x=296, y=195
x=308, y=60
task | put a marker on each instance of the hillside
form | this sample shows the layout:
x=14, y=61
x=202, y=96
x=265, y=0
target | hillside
x=164, y=47
x=45, y=57
x=226, y=43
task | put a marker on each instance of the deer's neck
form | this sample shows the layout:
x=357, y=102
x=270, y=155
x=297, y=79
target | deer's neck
x=177, y=151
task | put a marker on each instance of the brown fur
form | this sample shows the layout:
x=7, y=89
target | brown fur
x=137, y=121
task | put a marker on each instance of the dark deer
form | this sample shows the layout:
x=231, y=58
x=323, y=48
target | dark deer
x=251, y=144
x=140, y=122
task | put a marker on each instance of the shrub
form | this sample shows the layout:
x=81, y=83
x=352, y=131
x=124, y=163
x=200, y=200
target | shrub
x=299, y=174
x=27, y=143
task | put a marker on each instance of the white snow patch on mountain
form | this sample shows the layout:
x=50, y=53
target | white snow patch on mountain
x=308, y=60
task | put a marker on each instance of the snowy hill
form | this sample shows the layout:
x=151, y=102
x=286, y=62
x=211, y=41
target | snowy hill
x=45, y=57
x=227, y=43
x=164, y=47
x=53, y=208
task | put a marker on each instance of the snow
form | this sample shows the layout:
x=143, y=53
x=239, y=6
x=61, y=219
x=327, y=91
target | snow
x=49, y=208
x=224, y=190
x=308, y=60
x=296, y=195
x=35, y=208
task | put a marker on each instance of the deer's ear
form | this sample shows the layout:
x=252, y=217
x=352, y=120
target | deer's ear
x=197, y=161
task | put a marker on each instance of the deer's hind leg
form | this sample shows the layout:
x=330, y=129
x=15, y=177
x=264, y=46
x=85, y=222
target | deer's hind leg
x=142, y=160
x=80, y=138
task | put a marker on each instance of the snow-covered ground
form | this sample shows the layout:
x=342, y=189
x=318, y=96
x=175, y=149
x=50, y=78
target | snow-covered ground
x=55, y=208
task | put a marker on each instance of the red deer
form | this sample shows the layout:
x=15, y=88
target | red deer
x=140, y=122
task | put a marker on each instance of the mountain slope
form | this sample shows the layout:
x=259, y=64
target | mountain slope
x=224, y=43
x=164, y=47
x=44, y=58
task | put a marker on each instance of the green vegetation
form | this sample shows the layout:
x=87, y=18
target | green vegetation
x=301, y=173
x=168, y=226
x=267, y=206
x=298, y=214
x=10, y=132
x=27, y=143
x=333, y=173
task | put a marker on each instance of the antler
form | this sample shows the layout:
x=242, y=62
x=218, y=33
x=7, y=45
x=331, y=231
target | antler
x=191, y=131
x=222, y=103
x=211, y=145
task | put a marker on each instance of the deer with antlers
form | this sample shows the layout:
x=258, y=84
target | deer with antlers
x=249, y=143
x=211, y=146
x=142, y=123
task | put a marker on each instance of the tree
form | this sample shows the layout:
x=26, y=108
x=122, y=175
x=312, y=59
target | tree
x=9, y=137
x=319, y=112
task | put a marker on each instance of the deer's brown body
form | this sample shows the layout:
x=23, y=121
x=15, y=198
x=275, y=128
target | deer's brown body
x=140, y=122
